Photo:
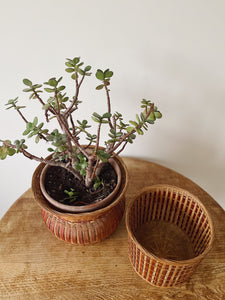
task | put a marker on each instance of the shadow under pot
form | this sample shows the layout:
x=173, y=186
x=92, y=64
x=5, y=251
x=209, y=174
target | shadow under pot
x=82, y=224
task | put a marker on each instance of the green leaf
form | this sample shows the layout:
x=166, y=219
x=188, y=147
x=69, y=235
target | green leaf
x=70, y=70
x=53, y=82
x=31, y=134
x=69, y=64
x=37, y=139
x=46, y=106
x=139, y=131
x=35, y=121
x=36, y=86
x=27, y=82
x=49, y=90
x=113, y=131
x=3, y=153
x=87, y=68
x=95, y=119
x=76, y=60
x=29, y=125
x=100, y=75
x=129, y=129
x=44, y=131
x=133, y=123
x=99, y=87
x=40, y=125
x=150, y=121
x=151, y=116
x=81, y=72
x=132, y=136
x=27, y=90
x=61, y=88
x=96, y=115
x=26, y=131
x=74, y=76
x=106, y=115
x=19, y=107
x=103, y=156
x=9, y=107
x=143, y=117
x=50, y=150
x=11, y=151
x=82, y=172
x=108, y=73
x=97, y=182
x=158, y=114
x=138, y=119
x=32, y=96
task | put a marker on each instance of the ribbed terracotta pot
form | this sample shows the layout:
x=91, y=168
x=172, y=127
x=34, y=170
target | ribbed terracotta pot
x=82, y=228
x=169, y=233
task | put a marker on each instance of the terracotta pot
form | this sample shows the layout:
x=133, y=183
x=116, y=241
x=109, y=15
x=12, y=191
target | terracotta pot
x=82, y=208
x=87, y=227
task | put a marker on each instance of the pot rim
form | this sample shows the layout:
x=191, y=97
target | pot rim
x=82, y=208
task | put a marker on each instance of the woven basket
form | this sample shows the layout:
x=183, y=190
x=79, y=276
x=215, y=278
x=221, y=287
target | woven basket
x=169, y=233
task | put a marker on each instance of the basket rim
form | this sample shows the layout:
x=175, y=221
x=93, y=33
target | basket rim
x=190, y=261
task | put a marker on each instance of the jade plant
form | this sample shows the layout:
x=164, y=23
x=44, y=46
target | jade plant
x=67, y=151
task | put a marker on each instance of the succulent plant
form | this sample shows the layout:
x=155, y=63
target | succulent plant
x=67, y=152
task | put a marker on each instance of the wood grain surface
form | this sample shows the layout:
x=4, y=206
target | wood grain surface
x=36, y=265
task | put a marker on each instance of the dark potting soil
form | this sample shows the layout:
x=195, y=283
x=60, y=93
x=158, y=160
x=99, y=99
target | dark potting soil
x=58, y=180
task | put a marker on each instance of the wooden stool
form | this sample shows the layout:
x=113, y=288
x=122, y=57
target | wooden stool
x=36, y=265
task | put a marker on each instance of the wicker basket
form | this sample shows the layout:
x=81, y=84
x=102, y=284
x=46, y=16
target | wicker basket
x=169, y=233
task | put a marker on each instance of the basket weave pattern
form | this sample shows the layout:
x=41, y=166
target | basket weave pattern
x=172, y=205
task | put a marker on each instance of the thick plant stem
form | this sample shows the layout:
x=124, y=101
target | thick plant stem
x=89, y=171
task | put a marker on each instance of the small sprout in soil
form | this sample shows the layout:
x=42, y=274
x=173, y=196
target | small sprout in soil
x=97, y=183
x=72, y=195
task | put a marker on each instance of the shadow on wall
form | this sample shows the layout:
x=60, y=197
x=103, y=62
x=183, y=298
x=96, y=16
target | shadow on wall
x=195, y=160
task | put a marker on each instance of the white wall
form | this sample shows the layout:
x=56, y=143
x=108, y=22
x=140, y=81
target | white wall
x=171, y=51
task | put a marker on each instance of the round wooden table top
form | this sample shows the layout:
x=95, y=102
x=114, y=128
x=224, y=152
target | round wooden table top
x=36, y=265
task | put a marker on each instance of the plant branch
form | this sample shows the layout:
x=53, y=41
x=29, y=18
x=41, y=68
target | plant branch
x=109, y=104
x=46, y=161
x=124, y=137
x=124, y=145
x=95, y=168
x=57, y=101
x=69, y=109
x=25, y=120
x=73, y=125
x=51, y=108
x=98, y=139
x=22, y=116
x=66, y=130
